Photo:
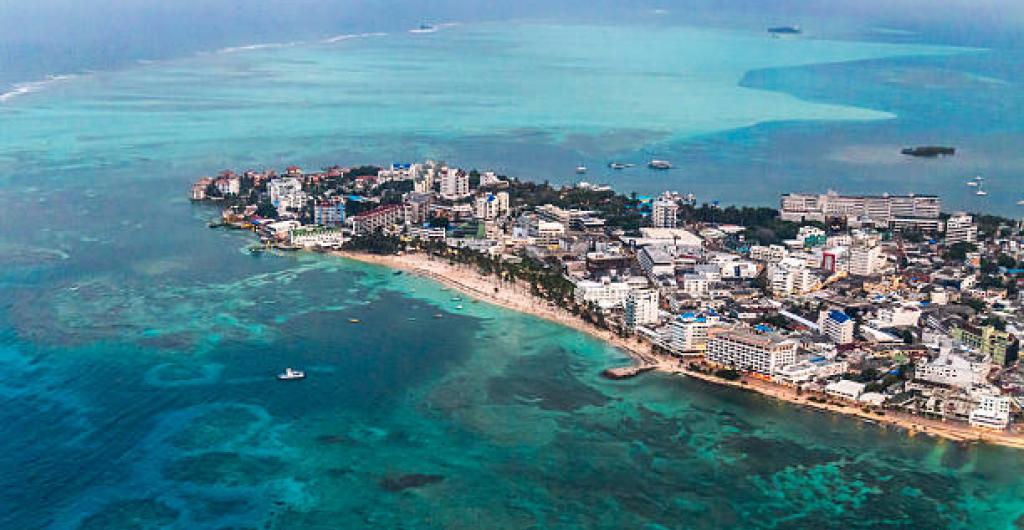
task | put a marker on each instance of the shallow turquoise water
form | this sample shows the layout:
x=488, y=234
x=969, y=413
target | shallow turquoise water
x=140, y=347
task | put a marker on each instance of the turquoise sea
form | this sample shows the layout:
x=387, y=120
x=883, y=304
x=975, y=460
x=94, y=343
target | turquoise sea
x=139, y=347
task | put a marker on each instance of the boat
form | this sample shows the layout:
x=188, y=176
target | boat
x=785, y=30
x=973, y=183
x=353, y=321
x=458, y=306
x=1020, y=202
x=438, y=315
x=456, y=299
x=291, y=375
x=981, y=193
x=397, y=273
x=659, y=164
x=929, y=151
x=581, y=169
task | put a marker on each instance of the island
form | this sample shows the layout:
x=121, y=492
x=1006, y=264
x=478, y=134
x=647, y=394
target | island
x=881, y=307
x=929, y=151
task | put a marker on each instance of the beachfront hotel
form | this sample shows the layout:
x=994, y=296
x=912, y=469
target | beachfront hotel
x=765, y=354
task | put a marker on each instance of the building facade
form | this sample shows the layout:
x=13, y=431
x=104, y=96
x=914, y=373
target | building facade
x=765, y=354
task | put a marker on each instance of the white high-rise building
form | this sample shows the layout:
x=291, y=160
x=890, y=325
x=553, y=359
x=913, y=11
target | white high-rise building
x=960, y=228
x=605, y=293
x=865, y=260
x=992, y=412
x=641, y=308
x=789, y=277
x=837, y=326
x=762, y=353
x=664, y=213
x=454, y=183
x=688, y=334
x=491, y=205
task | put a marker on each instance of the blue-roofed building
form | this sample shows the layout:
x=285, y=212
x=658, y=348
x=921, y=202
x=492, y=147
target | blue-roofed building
x=837, y=326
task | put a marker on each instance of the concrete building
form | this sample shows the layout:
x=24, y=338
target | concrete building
x=641, y=308
x=656, y=262
x=951, y=370
x=845, y=389
x=865, y=260
x=991, y=411
x=491, y=205
x=771, y=253
x=907, y=211
x=809, y=370
x=317, y=236
x=605, y=293
x=329, y=213
x=837, y=326
x=1002, y=346
x=960, y=228
x=688, y=334
x=454, y=183
x=664, y=213
x=790, y=277
x=383, y=217
x=765, y=354
x=547, y=233
x=696, y=285
x=417, y=207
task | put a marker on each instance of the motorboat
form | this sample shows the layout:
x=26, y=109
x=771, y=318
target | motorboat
x=290, y=374
x=659, y=164
x=581, y=169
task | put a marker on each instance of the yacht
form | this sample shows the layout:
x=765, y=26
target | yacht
x=581, y=169
x=972, y=183
x=659, y=164
x=1020, y=202
x=291, y=375
x=353, y=321
x=980, y=191
x=619, y=165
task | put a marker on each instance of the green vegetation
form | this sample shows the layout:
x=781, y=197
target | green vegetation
x=375, y=243
x=728, y=374
x=959, y=251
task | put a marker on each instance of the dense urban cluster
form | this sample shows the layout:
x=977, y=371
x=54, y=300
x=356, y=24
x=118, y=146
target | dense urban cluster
x=883, y=303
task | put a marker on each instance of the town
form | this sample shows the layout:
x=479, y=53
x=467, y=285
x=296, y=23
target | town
x=883, y=306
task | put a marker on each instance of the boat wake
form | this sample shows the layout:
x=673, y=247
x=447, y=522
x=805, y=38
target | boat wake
x=261, y=46
x=21, y=89
x=433, y=29
x=350, y=36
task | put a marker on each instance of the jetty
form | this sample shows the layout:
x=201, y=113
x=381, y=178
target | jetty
x=626, y=372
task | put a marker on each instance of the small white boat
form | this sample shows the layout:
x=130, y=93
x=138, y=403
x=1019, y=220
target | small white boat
x=458, y=306
x=1020, y=202
x=981, y=193
x=290, y=375
x=659, y=164
x=973, y=183
x=581, y=169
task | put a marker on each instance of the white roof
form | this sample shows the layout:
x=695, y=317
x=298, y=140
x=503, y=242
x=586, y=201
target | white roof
x=678, y=236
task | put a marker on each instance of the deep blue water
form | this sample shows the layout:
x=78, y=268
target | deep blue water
x=140, y=347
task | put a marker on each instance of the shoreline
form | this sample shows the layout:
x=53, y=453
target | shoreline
x=518, y=298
